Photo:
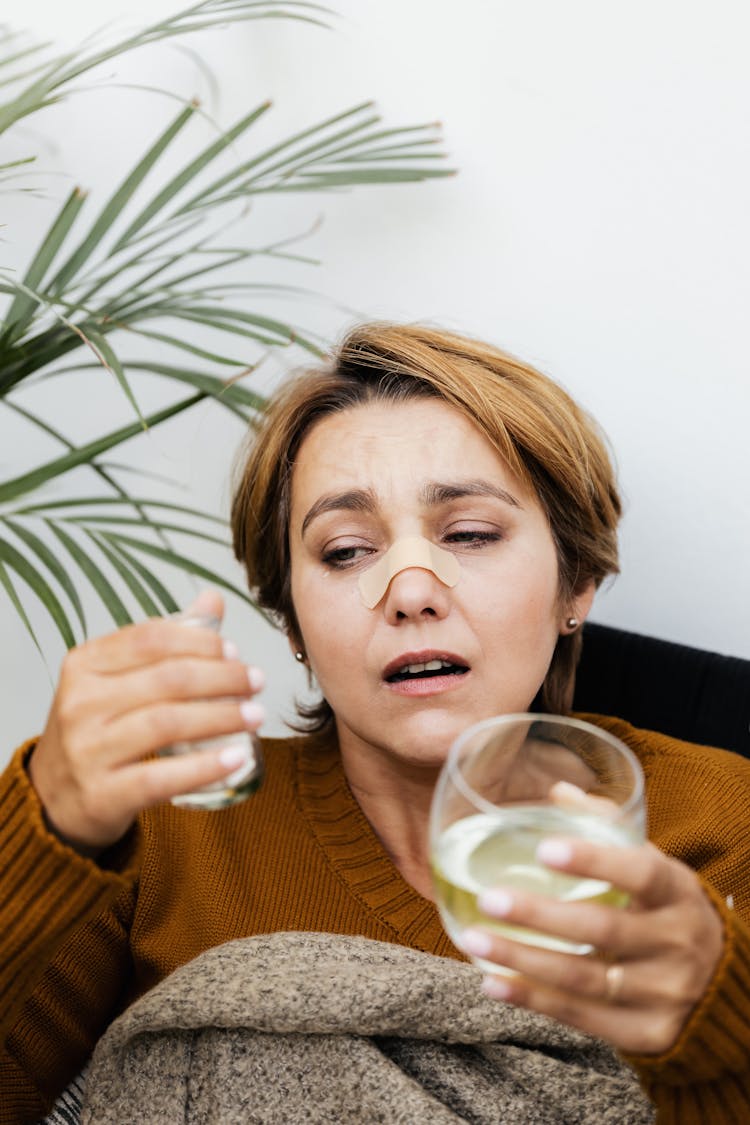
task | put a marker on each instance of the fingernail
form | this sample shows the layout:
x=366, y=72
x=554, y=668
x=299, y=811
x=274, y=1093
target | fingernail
x=230, y=650
x=566, y=789
x=476, y=942
x=496, y=988
x=496, y=903
x=233, y=756
x=555, y=853
x=256, y=678
x=252, y=713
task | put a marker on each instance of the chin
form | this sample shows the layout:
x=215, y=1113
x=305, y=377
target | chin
x=426, y=740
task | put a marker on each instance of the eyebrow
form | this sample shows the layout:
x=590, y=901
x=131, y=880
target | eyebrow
x=355, y=500
x=442, y=492
x=433, y=494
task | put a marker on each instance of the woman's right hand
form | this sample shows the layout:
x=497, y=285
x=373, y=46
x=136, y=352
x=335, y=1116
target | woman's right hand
x=120, y=699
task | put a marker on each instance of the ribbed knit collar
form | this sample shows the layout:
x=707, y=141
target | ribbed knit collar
x=355, y=853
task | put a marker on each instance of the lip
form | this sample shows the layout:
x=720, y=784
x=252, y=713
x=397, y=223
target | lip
x=423, y=656
x=434, y=685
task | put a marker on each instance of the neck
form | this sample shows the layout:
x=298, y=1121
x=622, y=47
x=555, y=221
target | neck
x=395, y=797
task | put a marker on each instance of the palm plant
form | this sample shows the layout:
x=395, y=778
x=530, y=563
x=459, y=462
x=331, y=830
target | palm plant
x=146, y=266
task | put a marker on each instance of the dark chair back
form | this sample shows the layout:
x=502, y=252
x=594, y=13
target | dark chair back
x=685, y=692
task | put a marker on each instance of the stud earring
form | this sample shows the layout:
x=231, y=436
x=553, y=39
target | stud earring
x=572, y=623
x=300, y=657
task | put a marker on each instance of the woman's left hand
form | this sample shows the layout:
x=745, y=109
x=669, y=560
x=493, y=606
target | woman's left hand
x=655, y=960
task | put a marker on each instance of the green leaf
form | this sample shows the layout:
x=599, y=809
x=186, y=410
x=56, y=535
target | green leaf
x=131, y=521
x=147, y=474
x=118, y=201
x=99, y=467
x=273, y=150
x=178, y=182
x=12, y=79
x=98, y=281
x=38, y=422
x=110, y=360
x=64, y=68
x=85, y=454
x=173, y=285
x=41, y=587
x=94, y=501
x=23, y=360
x=52, y=563
x=96, y=577
x=17, y=163
x=18, y=605
x=320, y=151
x=137, y=589
x=225, y=325
x=160, y=591
x=32, y=49
x=22, y=308
x=183, y=345
x=180, y=561
x=216, y=314
x=227, y=392
x=230, y=392
x=325, y=181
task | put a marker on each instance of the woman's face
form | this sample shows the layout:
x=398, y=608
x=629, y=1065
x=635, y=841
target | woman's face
x=371, y=475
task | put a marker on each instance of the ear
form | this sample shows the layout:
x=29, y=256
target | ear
x=579, y=607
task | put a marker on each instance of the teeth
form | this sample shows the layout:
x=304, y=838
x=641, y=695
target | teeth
x=430, y=666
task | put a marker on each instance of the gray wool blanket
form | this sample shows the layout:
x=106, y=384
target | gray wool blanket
x=297, y=1027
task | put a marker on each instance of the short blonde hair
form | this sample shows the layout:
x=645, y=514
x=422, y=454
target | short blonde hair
x=545, y=438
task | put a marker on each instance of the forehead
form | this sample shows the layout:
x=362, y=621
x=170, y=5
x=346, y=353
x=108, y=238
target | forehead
x=377, y=444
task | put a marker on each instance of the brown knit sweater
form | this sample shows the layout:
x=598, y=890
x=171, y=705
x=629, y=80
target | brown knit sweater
x=80, y=940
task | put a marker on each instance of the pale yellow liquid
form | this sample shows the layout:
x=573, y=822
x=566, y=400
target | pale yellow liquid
x=483, y=851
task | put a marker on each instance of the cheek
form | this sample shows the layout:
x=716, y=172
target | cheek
x=329, y=614
x=522, y=589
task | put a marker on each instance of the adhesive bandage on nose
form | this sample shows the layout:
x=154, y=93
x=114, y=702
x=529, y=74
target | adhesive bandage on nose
x=414, y=551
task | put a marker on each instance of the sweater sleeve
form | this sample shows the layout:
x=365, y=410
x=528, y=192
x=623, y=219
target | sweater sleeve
x=698, y=801
x=64, y=961
x=705, y=1078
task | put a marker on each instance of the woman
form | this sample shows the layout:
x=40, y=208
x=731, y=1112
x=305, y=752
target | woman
x=409, y=436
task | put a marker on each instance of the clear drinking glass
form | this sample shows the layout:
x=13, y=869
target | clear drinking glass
x=507, y=784
x=240, y=783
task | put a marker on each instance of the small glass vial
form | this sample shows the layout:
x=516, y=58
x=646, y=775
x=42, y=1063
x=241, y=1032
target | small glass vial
x=240, y=783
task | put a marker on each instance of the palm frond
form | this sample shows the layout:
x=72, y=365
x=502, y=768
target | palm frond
x=85, y=454
x=114, y=284
x=55, y=79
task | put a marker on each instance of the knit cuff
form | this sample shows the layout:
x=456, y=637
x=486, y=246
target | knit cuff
x=715, y=1042
x=46, y=888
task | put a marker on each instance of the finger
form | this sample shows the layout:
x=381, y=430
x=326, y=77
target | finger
x=209, y=603
x=141, y=785
x=157, y=781
x=561, y=971
x=639, y=981
x=568, y=796
x=630, y=1028
x=174, y=680
x=607, y=928
x=144, y=644
x=652, y=878
x=151, y=729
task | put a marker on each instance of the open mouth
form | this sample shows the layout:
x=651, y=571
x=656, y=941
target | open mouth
x=427, y=670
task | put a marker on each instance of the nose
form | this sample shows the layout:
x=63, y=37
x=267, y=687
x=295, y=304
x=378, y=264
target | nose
x=415, y=594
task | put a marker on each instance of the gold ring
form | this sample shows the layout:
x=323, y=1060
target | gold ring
x=613, y=978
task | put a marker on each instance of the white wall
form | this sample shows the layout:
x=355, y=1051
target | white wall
x=599, y=228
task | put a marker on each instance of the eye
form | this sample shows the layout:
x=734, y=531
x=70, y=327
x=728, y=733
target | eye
x=473, y=536
x=339, y=558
